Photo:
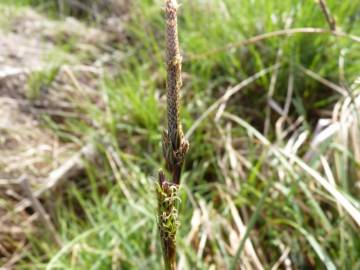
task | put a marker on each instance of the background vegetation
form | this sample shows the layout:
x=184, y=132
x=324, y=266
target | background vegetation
x=272, y=122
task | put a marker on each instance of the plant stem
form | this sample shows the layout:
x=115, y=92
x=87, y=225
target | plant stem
x=168, y=222
x=174, y=143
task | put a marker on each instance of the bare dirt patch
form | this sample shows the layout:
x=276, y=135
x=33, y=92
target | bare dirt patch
x=27, y=147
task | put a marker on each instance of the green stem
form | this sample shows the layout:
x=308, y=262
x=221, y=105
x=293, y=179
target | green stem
x=250, y=226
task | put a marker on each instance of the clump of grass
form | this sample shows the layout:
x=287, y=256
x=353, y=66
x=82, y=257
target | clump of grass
x=40, y=80
x=174, y=143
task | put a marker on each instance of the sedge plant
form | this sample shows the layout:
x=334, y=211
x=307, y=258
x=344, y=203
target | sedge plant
x=174, y=143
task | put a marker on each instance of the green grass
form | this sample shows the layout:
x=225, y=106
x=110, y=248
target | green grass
x=38, y=80
x=107, y=218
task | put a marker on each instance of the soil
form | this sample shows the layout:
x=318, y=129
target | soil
x=27, y=146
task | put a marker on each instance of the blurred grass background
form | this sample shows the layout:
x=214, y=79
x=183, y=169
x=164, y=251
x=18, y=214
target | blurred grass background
x=255, y=159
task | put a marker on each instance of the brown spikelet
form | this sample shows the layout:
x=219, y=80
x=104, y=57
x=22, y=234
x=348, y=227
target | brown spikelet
x=174, y=143
x=173, y=61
